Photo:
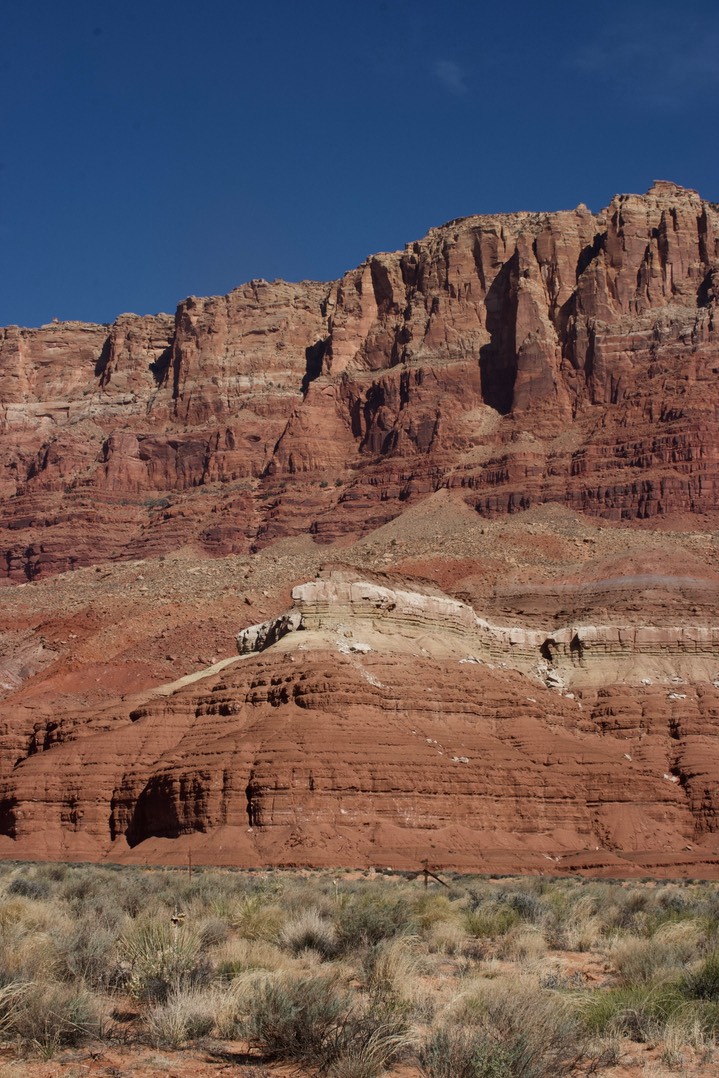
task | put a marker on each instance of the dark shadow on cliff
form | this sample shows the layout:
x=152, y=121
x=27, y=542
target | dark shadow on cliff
x=154, y=814
x=589, y=253
x=102, y=361
x=498, y=358
x=161, y=366
x=314, y=354
x=8, y=816
x=706, y=291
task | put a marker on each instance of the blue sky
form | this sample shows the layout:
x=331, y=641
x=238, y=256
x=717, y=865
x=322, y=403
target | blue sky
x=154, y=149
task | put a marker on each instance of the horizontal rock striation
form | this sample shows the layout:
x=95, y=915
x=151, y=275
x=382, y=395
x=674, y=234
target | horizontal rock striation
x=358, y=732
x=519, y=358
x=570, y=655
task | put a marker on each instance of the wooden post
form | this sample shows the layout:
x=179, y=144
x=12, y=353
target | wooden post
x=189, y=864
x=427, y=872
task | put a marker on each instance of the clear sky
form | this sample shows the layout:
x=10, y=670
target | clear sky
x=152, y=149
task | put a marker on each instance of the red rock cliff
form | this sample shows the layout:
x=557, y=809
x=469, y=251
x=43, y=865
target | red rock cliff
x=521, y=357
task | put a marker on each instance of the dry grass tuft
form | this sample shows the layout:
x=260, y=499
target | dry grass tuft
x=186, y=1014
x=309, y=931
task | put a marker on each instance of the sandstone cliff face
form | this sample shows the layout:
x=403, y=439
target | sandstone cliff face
x=489, y=688
x=521, y=358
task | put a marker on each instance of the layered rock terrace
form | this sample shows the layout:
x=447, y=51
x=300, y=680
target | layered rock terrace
x=359, y=730
x=569, y=655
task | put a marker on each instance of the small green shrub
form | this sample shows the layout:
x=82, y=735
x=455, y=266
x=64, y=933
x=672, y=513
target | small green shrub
x=87, y=952
x=525, y=905
x=640, y=1012
x=538, y=1031
x=456, y=1052
x=299, y=1020
x=366, y=918
x=29, y=887
x=490, y=921
x=317, y=1023
x=703, y=983
x=52, y=1016
x=638, y=961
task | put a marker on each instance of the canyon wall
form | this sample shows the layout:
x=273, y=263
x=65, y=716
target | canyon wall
x=520, y=358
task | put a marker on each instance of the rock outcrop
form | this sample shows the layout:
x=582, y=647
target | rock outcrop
x=520, y=358
x=358, y=729
x=575, y=655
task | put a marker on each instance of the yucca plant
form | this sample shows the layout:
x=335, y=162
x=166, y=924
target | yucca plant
x=159, y=958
